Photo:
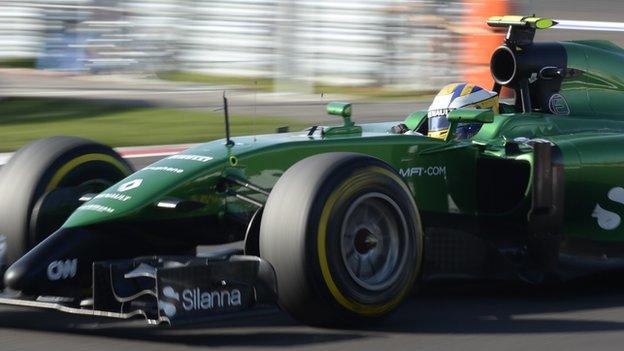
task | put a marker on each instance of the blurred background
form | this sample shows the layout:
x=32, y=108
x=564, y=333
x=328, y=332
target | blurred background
x=270, y=55
x=410, y=45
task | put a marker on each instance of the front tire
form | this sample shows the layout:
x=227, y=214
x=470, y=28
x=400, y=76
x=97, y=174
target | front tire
x=343, y=234
x=42, y=182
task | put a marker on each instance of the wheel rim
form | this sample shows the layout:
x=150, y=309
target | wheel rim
x=373, y=240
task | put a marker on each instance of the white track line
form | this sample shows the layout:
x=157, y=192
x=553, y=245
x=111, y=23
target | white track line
x=4, y=158
x=129, y=152
x=151, y=154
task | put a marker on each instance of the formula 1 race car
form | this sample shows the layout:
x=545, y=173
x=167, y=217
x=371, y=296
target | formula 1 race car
x=338, y=223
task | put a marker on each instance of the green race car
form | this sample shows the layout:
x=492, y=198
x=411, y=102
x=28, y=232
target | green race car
x=338, y=223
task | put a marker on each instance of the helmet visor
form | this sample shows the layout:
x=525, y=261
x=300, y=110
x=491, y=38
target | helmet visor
x=438, y=123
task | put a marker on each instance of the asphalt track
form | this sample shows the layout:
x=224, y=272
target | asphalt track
x=586, y=316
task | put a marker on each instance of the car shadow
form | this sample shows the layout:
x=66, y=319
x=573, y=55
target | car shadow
x=464, y=308
x=473, y=308
x=273, y=328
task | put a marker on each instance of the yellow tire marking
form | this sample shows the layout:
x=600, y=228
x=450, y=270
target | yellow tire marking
x=67, y=167
x=351, y=305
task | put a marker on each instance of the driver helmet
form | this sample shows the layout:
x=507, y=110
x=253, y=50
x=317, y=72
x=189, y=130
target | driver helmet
x=454, y=96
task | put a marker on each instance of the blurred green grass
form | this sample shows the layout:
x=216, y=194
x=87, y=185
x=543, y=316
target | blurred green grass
x=23, y=120
x=262, y=84
x=267, y=85
x=18, y=62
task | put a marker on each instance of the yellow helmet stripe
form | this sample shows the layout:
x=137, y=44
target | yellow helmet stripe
x=448, y=89
x=467, y=90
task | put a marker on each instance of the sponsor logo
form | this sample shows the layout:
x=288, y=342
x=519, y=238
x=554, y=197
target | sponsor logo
x=96, y=208
x=114, y=196
x=164, y=169
x=130, y=185
x=197, y=158
x=558, y=105
x=197, y=300
x=608, y=220
x=422, y=171
x=169, y=307
x=62, y=269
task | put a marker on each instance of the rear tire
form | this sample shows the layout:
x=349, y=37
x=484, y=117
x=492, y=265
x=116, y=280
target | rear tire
x=37, y=170
x=343, y=234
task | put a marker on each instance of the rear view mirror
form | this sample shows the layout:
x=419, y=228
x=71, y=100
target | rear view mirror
x=342, y=109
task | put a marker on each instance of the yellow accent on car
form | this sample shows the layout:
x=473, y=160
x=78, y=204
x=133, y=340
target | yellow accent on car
x=368, y=310
x=543, y=23
x=67, y=167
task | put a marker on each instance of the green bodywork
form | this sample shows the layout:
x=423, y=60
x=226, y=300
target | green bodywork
x=443, y=175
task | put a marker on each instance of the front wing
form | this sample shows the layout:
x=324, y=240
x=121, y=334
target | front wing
x=168, y=288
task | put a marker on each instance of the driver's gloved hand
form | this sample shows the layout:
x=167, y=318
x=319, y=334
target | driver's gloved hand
x=399, y=129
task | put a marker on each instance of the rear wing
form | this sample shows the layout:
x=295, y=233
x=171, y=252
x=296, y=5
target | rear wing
x=522, y=28
x=545, y=23
x=520, y=21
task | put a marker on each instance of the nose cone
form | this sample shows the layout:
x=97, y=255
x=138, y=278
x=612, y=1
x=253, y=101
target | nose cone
x=56, y=266
x=13, y=277
x=61, y=265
